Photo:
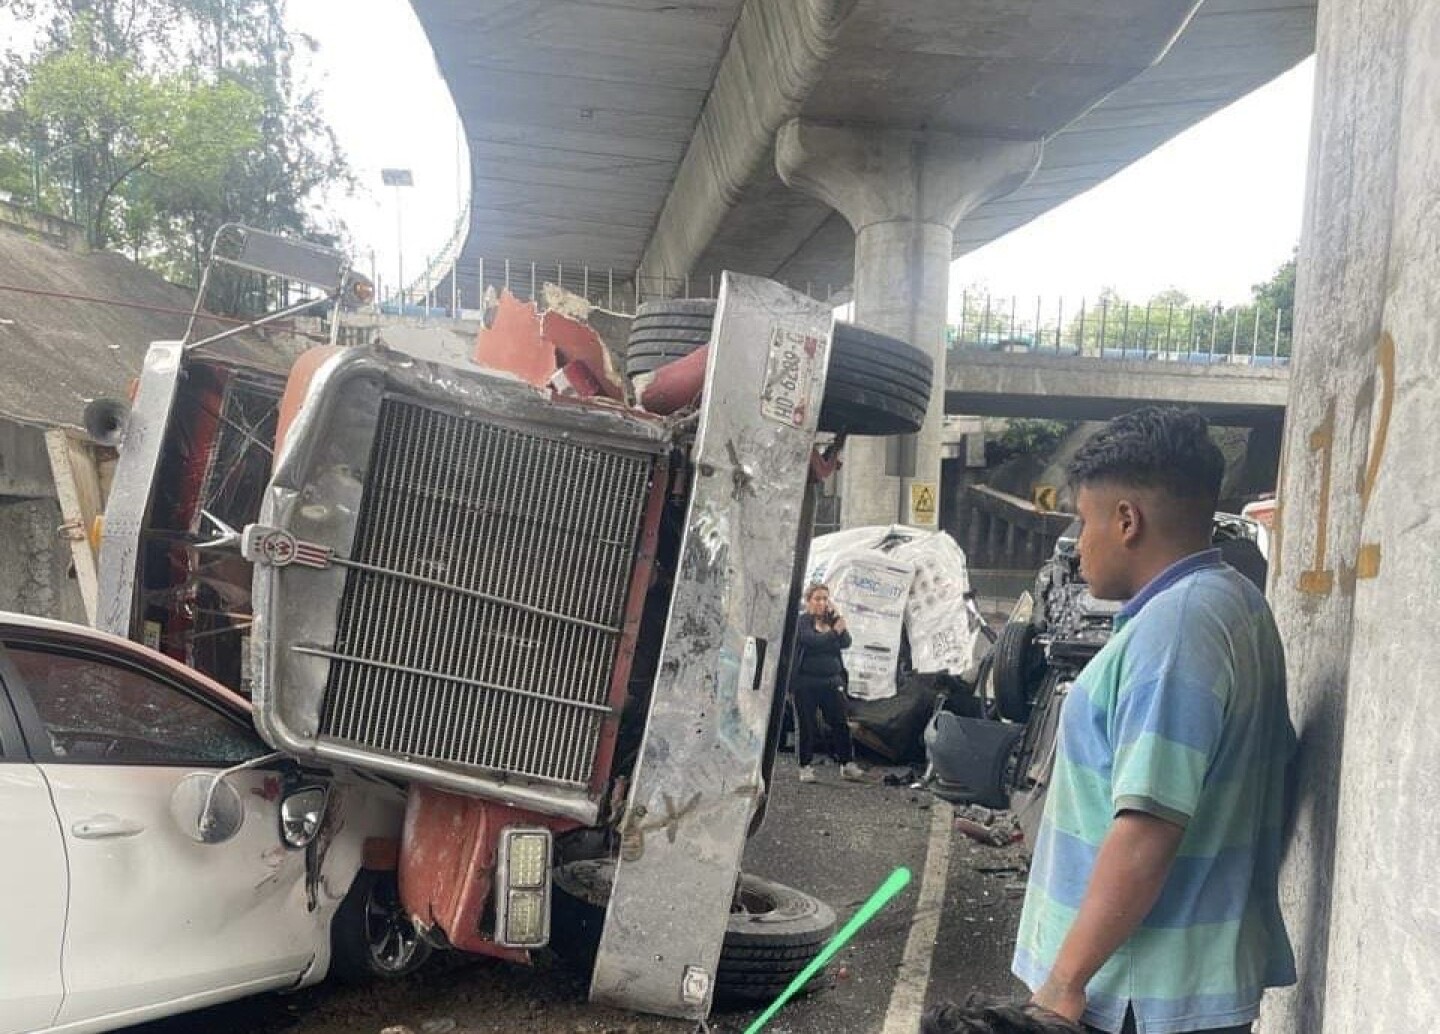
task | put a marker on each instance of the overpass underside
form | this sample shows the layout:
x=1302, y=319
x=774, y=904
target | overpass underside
x=628, y=136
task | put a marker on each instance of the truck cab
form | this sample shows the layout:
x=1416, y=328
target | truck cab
x=561, y=620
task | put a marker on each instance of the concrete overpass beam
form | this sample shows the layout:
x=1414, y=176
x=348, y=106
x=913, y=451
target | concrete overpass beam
x=903, y=193
x=775, y=57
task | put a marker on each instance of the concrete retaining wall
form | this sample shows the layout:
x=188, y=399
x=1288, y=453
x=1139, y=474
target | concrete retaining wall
x=34, y=565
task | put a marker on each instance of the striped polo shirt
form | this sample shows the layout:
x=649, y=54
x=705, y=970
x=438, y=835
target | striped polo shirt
x=1181, y=715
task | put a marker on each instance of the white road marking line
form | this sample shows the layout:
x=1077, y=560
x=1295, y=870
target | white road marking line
x=907, y=1001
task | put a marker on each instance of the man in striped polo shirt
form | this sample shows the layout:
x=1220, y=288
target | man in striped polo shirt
x=1152, y=905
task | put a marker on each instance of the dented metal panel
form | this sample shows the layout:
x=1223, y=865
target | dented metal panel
x=128, y=505
x=699, y=776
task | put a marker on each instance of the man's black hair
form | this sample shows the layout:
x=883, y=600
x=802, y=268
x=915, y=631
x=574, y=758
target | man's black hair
x=979, y=1017
x=1157, y=447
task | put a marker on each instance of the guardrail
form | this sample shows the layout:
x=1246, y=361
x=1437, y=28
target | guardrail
x=1186, y=332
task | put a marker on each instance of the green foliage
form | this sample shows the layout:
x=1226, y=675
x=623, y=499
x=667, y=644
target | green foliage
x=154, y=122
x=129, y=140
x=1171, y=322
x=1032, y=437
x=1275, y=300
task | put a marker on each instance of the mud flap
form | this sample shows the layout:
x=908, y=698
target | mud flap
x=698, y=778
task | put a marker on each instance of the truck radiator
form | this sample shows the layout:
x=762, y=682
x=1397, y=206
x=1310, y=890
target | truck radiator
x=485, y=596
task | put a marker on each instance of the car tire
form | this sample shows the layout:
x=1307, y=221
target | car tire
x=876, y=385
x=1016, y=670
x=773, y=933
x=371, y=937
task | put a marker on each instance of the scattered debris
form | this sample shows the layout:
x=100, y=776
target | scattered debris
x=989, y=827
x=901, y=777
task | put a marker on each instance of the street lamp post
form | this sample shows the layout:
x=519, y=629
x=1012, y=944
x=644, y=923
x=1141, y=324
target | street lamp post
x=398, y=178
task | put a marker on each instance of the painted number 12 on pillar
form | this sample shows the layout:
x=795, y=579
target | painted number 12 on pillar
x=1319, y=578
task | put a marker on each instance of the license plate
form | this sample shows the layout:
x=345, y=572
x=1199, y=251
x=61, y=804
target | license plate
x=791, y=373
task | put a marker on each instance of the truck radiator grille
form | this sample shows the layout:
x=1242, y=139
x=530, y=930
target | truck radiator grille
x=485, y=596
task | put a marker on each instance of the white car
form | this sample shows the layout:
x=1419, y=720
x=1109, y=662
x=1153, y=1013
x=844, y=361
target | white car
x=138, y=881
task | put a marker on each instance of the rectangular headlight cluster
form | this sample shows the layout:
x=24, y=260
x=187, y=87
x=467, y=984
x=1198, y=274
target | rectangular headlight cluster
x=522, y=888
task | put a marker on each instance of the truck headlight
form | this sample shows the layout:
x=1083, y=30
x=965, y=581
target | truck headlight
x=522, y=889
x=525, y=919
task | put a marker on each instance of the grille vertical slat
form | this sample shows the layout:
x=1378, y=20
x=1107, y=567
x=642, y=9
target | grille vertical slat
x=499, y=523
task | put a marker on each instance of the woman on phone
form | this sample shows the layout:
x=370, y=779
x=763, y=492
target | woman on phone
x=817, y=683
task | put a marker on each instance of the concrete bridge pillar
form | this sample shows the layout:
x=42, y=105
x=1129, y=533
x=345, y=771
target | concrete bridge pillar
x=1354, y=581
x=903, y=192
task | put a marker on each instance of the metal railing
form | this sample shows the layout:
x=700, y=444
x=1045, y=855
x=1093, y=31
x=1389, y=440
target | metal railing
x=1175, y=332
x=1108, y=329
x=449, y=288
x=421, y=290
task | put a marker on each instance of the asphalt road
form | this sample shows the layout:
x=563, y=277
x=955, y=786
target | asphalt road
x=833, y=839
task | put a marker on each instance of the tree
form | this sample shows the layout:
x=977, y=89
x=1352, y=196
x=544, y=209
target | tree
x=154, y=122
x=1030, y=436
x=1169, y=324
x=1275, y=302
x=110, y=122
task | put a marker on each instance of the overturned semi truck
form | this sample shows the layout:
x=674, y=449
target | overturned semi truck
x=563, y=622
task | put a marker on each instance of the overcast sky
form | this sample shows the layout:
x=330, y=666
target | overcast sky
x=1212, y=212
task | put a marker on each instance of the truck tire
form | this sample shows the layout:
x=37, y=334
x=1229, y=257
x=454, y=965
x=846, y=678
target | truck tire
x=877, y=384
x=371, y=937
x=683, y=337
x=661, y=322
x=666, y=307
x=773, y=933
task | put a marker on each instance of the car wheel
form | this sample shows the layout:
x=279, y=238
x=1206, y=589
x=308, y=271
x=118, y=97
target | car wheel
x=1016, y=668
x=371, y=936
x=773, y=932
x=876, y=385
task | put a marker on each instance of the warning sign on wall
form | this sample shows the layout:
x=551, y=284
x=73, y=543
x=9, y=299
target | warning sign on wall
x=1047, y=498
x=924, y=502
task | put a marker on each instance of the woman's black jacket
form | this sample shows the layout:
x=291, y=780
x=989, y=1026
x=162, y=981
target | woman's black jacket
x=820, y=651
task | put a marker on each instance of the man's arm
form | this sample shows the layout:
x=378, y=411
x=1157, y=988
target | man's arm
x=1130, y=872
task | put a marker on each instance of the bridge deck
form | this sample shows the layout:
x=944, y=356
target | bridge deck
x=1033, y=384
